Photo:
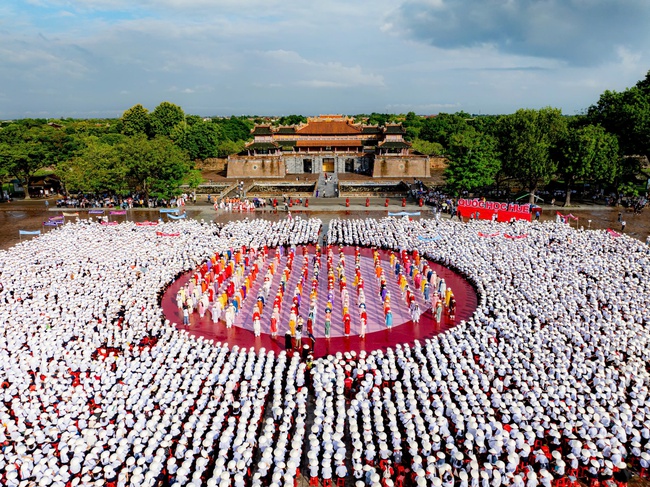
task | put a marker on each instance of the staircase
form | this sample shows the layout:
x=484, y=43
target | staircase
x=327, y=189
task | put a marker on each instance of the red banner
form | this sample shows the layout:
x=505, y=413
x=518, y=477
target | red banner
x=162, y=234
x=485, y=210
x=146, y=224
x=613, y=233
x=481, y=234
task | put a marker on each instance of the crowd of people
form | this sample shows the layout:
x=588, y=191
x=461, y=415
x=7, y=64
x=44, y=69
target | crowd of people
x=545, y=384
x=238, y=204
x=111, y=200
x=235, y=287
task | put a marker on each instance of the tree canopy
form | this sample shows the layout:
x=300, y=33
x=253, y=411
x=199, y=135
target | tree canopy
x=202, y=140
x=95, y=169
x=26, y=148
x=442, y=127
x=154, y=167
x=526, y=142
x=626, y=115
x=291, y=120
x=164, y=118
x=587, y=153
x=473, y=161
x=235, y=128
x=151, y=151
x=135, y=121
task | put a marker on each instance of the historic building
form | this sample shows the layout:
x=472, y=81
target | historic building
x=328, y=143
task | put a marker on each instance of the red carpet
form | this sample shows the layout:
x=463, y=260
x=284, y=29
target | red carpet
x=377, y=336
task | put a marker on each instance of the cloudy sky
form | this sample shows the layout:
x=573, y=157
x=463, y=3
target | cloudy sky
x=87, y=58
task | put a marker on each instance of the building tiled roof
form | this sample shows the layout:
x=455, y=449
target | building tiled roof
x=394, y=145
x=328, y=143
x=286, y=130
x=332, y=127
x=394, y=129
x=262, y=130
x=286, y=143
x=371, y=129
x=262, y=146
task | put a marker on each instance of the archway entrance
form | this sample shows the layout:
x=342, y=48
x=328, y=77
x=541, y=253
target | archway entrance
x=328, y=164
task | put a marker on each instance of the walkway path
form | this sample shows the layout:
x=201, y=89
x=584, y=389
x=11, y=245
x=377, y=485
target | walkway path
x=327, y=189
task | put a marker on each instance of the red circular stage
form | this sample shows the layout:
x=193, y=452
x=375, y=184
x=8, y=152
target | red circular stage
x=323, y=280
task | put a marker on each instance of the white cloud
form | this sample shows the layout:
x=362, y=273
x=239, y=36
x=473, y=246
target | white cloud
x=423, y=108
x=319, y=74
x=278, y=57
x=316, y=83
x=583, y=33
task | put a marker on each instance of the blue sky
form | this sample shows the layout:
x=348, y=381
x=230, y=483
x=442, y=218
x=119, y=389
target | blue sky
x=97, y=58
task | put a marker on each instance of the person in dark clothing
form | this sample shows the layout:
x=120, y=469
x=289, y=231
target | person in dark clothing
x=288, y=345
x=622, y=475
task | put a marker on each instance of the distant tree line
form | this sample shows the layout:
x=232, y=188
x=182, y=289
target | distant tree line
x=531, y=147
x=153, y=153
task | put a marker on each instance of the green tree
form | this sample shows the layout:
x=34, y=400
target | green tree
x=412, y=125
x=587, y=153
x=22, y=160
x=473, y=161
x=628, y=189
x=155, y=167
x=412, y=119
x=229, y=147
x=487, y=124
x=428, y=148
x=381, y=118
x=202, y=140
x=627, y=116
x=111, y=139
x=164, y=118
x=193, y=178
x=191, y=120
x=235, y=128
x=97, y=168
x=291, y=120
x=135, y=121
x=26, y=148
x=442, y=127
x=527, y=139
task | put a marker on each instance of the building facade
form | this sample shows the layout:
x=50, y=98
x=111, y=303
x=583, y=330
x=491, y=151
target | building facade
x=328, y=143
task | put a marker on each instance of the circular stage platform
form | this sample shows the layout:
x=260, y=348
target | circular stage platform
x=265, y=273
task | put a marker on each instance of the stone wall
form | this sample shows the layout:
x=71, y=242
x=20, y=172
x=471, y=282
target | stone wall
x=211, y=164
x=401, y=167
x=295, y=163
x=437, y=162
x=258, y=167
